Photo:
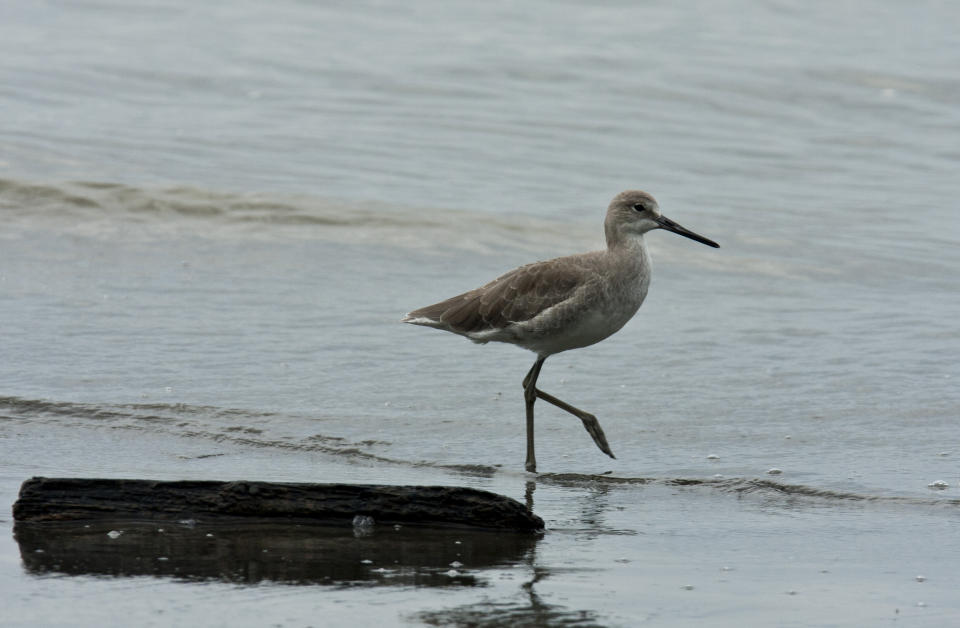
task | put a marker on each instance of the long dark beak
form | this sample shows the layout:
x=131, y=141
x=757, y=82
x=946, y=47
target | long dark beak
x=669, y=225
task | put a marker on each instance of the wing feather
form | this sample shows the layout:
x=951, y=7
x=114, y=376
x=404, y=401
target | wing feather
x=514, y=297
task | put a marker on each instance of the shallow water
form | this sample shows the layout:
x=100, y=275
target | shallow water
x=213, y=219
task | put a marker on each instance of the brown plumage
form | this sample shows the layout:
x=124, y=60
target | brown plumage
x=514, y=297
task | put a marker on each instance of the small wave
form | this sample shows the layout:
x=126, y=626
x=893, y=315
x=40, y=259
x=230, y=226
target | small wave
x=114, y=199
x=94, y=208
x=747, y=486
x=213, y=424
x=182, y=420
x=100, y=209
x=209, y=423
x=17, y=407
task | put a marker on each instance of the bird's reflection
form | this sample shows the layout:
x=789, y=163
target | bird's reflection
x=528, y=607
x=585, y=499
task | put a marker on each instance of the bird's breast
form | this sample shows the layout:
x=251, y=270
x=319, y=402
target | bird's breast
x=595, y=313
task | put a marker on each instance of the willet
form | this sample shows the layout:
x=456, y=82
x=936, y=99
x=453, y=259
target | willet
x=563, y=303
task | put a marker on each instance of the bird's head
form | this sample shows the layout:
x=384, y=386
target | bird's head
x=635, y=212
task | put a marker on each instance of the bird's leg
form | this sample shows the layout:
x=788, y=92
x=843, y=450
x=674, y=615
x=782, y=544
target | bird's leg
x=530, y=397
x=590, y=422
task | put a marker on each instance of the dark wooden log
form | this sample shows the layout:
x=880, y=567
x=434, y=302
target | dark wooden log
x=78, y=499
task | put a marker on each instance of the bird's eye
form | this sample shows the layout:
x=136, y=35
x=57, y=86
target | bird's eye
x=639, y=207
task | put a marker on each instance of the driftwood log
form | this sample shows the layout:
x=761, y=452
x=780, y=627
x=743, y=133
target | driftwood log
x=82, y=499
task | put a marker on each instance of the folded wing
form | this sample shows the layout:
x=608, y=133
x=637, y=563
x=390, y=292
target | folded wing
x=515, y=297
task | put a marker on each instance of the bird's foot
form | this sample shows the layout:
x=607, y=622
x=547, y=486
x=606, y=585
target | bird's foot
x=592, y=425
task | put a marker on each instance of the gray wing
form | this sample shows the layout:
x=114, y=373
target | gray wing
x=514, y=297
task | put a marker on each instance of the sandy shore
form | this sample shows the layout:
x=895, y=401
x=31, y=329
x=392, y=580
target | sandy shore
x=616, y=553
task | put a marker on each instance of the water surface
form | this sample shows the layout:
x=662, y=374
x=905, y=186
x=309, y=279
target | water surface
x=214, y=217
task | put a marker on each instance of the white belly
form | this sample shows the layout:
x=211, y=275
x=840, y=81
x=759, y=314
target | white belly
x=578, y=325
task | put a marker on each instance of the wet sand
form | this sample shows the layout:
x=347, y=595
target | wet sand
x=617, y=552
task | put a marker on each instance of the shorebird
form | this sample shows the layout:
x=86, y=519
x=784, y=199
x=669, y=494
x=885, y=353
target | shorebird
x=563, y=303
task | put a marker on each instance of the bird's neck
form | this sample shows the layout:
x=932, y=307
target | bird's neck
x=630, y=255
x=626, y=242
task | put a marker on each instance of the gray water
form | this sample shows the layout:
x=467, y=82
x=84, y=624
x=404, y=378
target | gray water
x=214, y=217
